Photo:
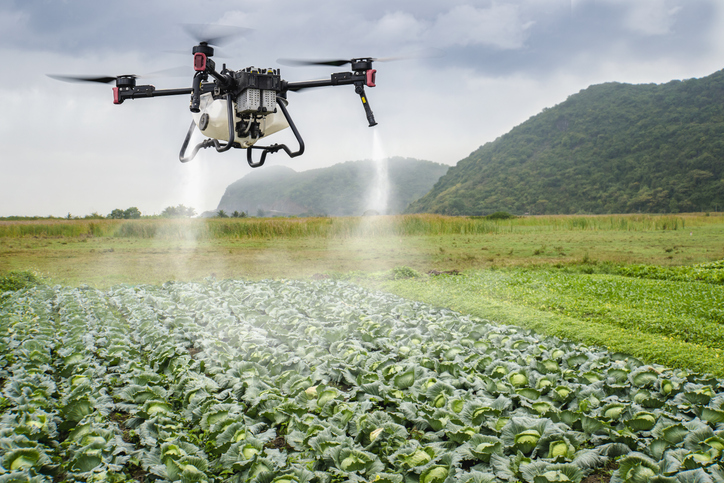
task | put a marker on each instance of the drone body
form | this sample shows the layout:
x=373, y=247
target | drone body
x=237, y=109
x=256, y=114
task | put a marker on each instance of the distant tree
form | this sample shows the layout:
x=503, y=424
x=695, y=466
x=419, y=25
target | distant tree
x=132, y=213
x=188, y=212
x=179, y=211
x=221, y=214
x=170, y=212
x=236, y=214
x=260, y=213
x=94, y=216
x=127, y=214
x=116, y=214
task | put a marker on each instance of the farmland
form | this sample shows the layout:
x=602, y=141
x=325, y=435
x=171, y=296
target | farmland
x=301, y=381
x=103, y=253
x=183, y=362
x=677, y=323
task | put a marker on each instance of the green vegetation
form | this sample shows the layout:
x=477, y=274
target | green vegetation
x=674, y=323
x=322, y=382
x=403, y=272
x=704, y=272
x=131, y=213
x=625, y=258
x=339, y=190
x=241, y=226
x=500, y=215
x=612, y=148
x=235, y=214
x=12, y=281
x=293, y=381
x=103, y=253
x=179, y=211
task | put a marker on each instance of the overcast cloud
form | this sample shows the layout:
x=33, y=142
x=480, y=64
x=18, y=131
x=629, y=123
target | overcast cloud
x=478, y=69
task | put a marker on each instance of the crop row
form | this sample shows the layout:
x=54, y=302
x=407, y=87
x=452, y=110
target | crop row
x=285, y=381
x=673, y=323
x=712, y=272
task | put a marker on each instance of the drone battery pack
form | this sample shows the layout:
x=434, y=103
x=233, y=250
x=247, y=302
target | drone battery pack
x=257, y=101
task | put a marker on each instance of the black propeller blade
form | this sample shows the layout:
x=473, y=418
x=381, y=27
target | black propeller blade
x=334, y=62
x=213, y=34
x=422, y=54
x=299, y=62
x=181, y=71
x=101, y=79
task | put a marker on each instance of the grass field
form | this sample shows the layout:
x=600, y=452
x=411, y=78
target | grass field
x=104, y=253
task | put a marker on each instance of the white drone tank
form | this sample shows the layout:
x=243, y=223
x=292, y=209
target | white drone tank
x=218, y=123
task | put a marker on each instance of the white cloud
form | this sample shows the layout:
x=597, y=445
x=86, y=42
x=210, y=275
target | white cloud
x=498, y=26
x=397, y=28
x=13, y=23
x=651, y=17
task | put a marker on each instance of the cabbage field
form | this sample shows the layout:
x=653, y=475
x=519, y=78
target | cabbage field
x=323, y=381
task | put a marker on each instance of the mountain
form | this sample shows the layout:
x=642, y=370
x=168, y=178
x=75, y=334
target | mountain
x=343, y=189
x=611, y=148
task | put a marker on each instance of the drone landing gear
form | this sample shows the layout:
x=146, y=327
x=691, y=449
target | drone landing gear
x=207, y=143
x=276, y=147
x=221, y=147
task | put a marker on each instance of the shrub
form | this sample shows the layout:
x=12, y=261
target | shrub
x=399, y=273
x=15, y=280
x=500, y=215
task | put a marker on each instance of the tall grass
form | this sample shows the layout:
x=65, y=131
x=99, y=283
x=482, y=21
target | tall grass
x=57, y=228
x=344, y=227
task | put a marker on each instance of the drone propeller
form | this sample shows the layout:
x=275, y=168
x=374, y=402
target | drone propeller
x=421, y=54
x=101, y=79
x=213, y=34
x=335, y=62
x=172, y=72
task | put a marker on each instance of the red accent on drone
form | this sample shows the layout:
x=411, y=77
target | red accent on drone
x=116, y=100
x=199, y=62
x=371, y=74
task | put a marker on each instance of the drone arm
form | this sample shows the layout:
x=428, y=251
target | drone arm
x=141, y=92
x=358, y=79
x=338, y=79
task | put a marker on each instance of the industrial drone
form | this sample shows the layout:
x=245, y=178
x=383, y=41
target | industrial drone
x=236, y=109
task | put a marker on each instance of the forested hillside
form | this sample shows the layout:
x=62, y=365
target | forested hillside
x=611, y=148
x=339, y=190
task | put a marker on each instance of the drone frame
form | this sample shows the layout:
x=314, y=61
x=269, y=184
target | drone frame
x=229, y=84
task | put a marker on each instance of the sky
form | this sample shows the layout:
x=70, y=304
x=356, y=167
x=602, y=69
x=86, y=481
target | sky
x=471, y=71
